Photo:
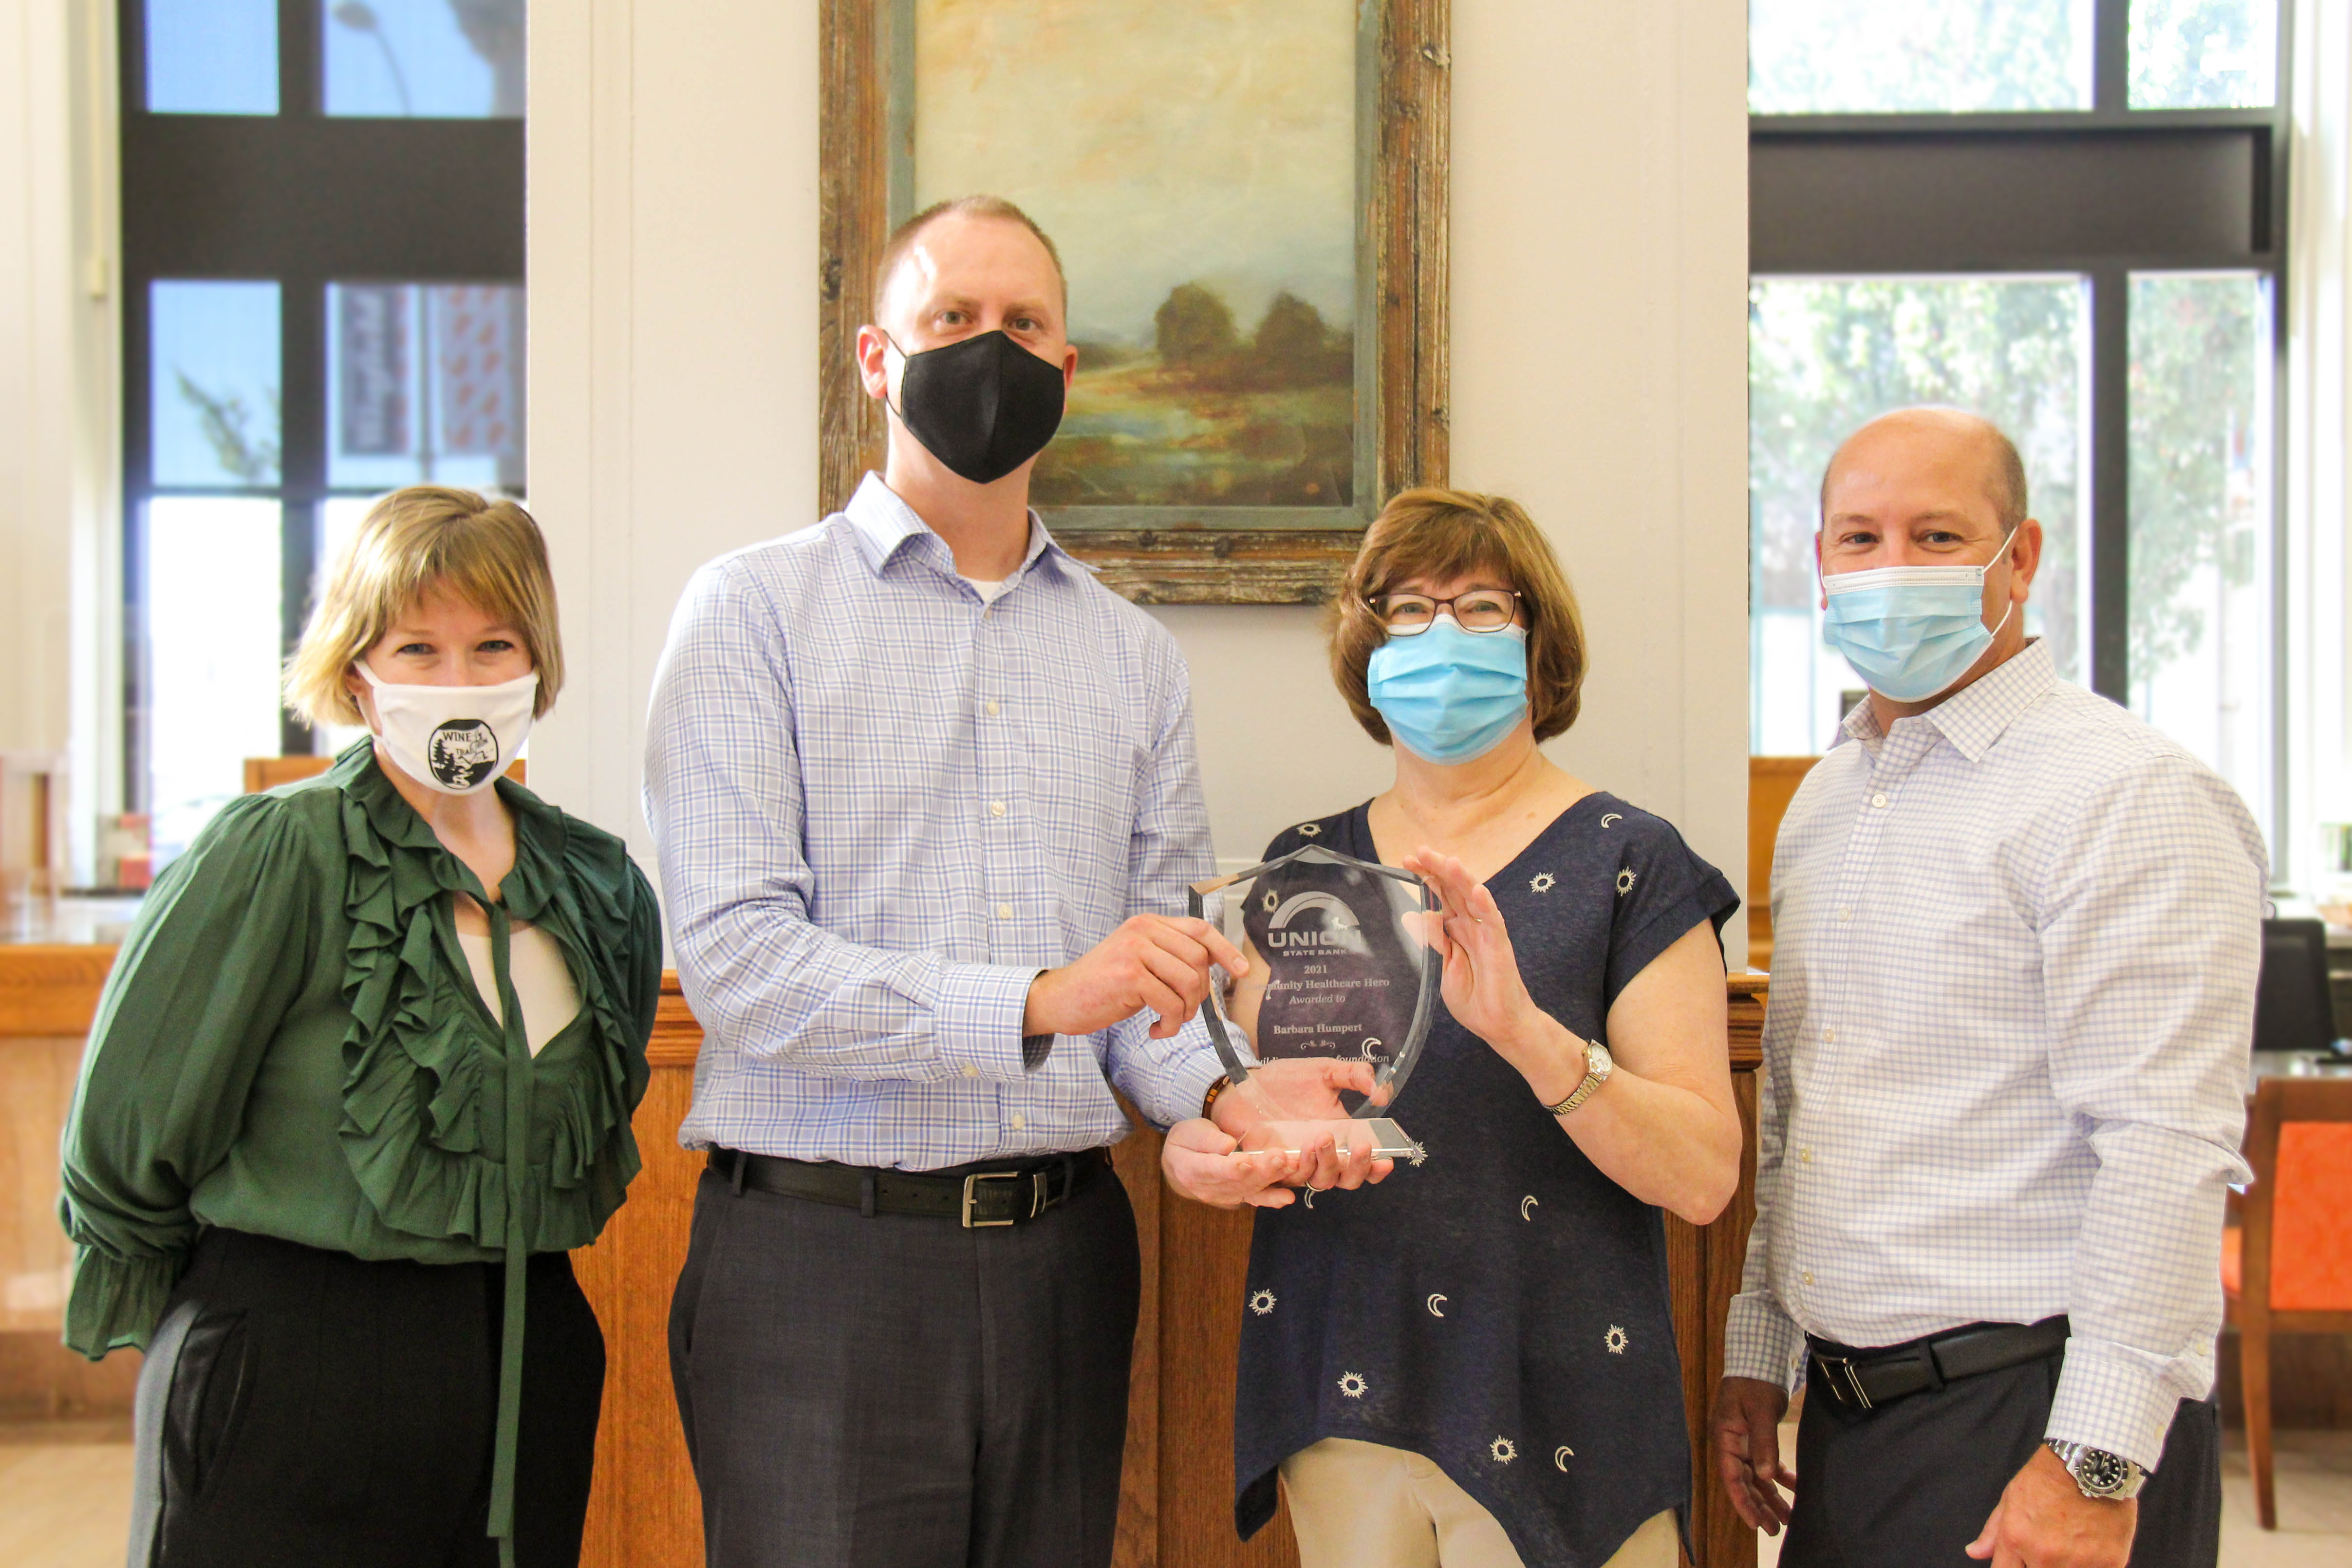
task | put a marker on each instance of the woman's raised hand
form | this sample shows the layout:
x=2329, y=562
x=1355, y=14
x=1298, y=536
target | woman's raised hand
x=1482, y=986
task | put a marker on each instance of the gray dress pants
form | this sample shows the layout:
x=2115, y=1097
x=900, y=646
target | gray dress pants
x=898, y=1392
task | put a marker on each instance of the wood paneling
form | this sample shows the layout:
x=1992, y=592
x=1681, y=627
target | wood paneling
x=645, y=1509
x=1176, y=1501
x=1771, y=785
x=51, y=990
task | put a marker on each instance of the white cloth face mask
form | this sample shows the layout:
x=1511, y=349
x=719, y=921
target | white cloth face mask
x=453, y=738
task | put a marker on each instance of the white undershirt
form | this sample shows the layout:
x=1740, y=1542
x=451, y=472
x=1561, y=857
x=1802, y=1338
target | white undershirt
x=988, y=592
x=542, y=983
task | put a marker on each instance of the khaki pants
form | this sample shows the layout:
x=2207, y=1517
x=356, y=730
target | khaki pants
x=1366, y=1505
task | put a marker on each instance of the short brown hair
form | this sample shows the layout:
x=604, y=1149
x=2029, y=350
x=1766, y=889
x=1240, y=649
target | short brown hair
x=1438, y=534
x=902, y=238
x=487, y=552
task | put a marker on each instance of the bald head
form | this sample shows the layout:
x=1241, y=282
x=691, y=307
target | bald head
x=1962, y=450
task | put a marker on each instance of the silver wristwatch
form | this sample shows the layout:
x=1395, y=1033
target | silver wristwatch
x=2099, y=1473
x=1597, y=1065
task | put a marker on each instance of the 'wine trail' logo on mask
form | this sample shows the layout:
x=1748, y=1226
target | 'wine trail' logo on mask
x=464, y=752
x=1334, y=931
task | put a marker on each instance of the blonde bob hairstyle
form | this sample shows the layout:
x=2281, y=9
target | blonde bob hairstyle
x=1434, y=536
x=412, y=543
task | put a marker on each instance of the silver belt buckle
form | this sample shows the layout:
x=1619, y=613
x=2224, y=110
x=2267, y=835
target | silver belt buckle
x=1836, y=1365
x=970, y=1189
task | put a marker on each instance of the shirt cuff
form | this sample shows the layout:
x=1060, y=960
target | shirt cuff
x=1177, y=1090
x=117, y=1301
x=2122, y=1400
x=1762, y=1342
x=978, y=1019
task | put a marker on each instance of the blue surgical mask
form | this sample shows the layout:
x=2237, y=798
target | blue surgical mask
x=1449, y=695
x=1911, y=631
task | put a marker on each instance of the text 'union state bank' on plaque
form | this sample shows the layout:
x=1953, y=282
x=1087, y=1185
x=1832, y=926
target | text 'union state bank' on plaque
x=1339, y=967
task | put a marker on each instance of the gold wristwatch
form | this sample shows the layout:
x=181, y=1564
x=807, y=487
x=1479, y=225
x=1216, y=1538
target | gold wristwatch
x=1597, y=1065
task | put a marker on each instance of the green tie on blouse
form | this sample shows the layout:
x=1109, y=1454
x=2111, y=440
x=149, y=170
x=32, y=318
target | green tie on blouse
x=291, y=1043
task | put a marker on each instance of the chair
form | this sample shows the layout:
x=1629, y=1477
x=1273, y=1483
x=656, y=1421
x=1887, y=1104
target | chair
x=268, y=772
x=2294, y=1009
x=2288, y=1270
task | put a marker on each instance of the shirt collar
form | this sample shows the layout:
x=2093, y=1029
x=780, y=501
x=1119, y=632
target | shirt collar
x=1977, y=718
x=887, y=524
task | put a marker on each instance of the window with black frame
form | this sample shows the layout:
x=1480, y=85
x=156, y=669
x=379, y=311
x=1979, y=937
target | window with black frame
x=2068, y=216
x=322, y=228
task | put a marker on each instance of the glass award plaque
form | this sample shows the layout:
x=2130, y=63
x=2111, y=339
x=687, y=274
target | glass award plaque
x=1339, y=967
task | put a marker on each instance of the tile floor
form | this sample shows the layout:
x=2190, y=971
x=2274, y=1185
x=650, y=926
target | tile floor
x=2313, y=1475
x=65, y=1490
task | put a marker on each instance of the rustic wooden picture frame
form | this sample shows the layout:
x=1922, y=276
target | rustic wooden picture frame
x=1196, y=555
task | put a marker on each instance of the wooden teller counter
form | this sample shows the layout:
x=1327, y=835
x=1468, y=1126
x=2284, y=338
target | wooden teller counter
x=1176, y=1506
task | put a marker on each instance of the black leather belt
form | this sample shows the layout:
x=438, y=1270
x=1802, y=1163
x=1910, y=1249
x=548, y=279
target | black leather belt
x=991, y=1192
x=1866, y=1379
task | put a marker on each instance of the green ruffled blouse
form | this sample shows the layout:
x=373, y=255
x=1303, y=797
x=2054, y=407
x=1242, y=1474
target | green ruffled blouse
x=291, y=1043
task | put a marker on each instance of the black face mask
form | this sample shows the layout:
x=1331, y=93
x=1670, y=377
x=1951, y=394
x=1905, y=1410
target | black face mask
x=982, y=407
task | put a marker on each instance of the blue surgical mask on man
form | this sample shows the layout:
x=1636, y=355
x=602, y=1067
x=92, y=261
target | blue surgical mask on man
x=1449, y=695
x=1911, y=631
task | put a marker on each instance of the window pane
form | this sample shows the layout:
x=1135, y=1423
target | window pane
x=214, y=396
x=1869, y=57
x=2204, y=53
x=212, y=56
x=212, y=618
x=425, y=386
x=448, y=59
x=2201, y=520
x=1827, y=354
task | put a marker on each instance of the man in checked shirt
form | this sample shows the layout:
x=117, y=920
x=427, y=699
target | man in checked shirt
x=927, y=801
x=2016, y=933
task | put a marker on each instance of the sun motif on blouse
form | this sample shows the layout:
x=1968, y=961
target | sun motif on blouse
x=1352, y=1384
x=1625, y=880
x=1616, y=1339
x=1262, y=1302
x=1272, y=899
x=1310, y=830
x=1544, y=882
x=1502, y=1450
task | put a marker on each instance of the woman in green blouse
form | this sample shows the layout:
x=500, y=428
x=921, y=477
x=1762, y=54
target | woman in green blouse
x=362, y=1075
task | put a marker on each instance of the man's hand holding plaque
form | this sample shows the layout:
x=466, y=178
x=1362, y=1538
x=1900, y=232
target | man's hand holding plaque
x=1321, y=1024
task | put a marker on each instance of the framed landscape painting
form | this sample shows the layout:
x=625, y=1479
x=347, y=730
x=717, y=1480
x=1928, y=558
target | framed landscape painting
x=1249, y=199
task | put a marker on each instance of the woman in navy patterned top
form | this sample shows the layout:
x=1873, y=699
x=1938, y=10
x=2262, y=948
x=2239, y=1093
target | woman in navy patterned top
x=1474, y=1362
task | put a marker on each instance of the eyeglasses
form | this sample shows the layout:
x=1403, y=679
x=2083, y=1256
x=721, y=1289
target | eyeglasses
x=1479, y=610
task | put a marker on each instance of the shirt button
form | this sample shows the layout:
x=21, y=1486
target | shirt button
x=1806, y=1155
x=1879, y=800
x=1004, y=912
x=1808, y=1277
x=1018, y=1122
x=1828, y=1036
x=1845, y=914
x=970, y=1070
x=992, y=710
x=996, y=808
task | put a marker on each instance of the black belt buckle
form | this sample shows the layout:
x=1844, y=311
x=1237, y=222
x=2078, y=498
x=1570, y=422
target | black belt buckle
x=1848, y=1391
x=1038, y=1201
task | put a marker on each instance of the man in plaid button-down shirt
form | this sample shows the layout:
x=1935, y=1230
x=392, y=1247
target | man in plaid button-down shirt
x=2015, y=942
x=927, y=801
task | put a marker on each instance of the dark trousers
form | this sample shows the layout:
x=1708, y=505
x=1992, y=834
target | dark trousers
x=300, y=1407
x=898, y=1392
x=1913, y=1482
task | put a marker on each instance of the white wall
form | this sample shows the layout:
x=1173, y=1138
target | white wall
x=1600, y=375
x=60, y=347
